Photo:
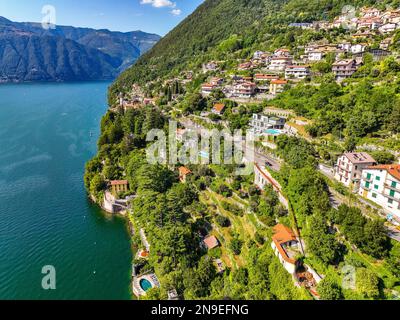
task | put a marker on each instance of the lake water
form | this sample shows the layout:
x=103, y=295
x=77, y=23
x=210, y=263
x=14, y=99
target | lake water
x=47, y=133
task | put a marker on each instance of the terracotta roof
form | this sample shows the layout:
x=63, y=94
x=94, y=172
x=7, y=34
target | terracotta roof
x=208, y=85
x=392, y=169
x=282, y=235
x=279, y=82
x=359, y=157
x=119, y=182
x=211, y=242
x=183, y=171
x=219, y=107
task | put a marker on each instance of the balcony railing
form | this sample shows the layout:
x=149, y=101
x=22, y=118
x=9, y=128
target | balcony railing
x=389, y=186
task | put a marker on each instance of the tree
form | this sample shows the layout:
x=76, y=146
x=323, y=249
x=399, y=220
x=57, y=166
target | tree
x=367, y=283
x=97, y=184
x=320, y=242
x=376, y=242
x=236, y=246
x=329, y=290
x=222, y=221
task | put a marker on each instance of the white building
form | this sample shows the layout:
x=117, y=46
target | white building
x=315, y=55
x=349, y=168
x=297, y=72
x=279, y=63
x=260, y=123
x=244, y=90
x=381, y=184
x=358, y=48
x=387, y=28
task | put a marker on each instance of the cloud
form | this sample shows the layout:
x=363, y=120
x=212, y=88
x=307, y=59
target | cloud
x=159, y=3
x=176, y=12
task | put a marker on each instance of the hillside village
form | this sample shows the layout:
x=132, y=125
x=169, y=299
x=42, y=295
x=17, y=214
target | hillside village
x=314, y=203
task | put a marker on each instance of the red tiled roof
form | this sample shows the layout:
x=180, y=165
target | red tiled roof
x=183, y=171
x=219, y=107
x=279, y=82
x=211, y=242
x=119, y=182
x=282, y=235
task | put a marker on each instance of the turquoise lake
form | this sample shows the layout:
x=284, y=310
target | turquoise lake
x=47, y=133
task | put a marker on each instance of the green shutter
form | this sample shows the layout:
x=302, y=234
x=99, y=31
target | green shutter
x=394, y=184
x=367, y=184
x=392, y=193
x=368, y=176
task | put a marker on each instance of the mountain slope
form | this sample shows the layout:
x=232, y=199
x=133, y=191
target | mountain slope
x=256, y=22
x=211, y=23
x=30, y=53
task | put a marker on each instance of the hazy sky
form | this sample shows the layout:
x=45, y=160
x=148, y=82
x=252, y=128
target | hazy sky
x=154, y=16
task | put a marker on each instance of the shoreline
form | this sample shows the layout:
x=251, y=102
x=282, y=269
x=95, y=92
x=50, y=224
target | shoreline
x=129, y=229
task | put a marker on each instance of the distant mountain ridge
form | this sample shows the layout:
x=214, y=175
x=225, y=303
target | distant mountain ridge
x=30, y=53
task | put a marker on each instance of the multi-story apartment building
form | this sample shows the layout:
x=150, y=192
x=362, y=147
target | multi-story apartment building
x=279, y=63
x=381, y=184
x=344, y=68
x=349, y=168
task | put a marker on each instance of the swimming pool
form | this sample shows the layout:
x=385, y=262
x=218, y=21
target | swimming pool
x=204, y=154
x=273, y=131
x=145, y=284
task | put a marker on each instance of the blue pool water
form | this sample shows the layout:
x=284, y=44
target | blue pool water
x=145, y=284
x=204, y=154
x=273, y=131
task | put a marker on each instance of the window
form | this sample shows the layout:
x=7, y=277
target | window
x=378, y=178
x=374, y=195
x=390, y=201
x=367, y=184
x=394, y=184
x=368, y=176
x=392, y=193
x=376, y=187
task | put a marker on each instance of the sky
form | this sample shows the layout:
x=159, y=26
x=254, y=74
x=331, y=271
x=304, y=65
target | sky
x=153, y=16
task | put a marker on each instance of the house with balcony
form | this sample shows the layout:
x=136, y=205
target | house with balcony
x=344, y=69
x=261, y=123
x=297, y=72
x=279, y=63
x=207, y=88
x=277, y=86
x=388, y=28
x=349, y=167
x=265, y=77
x=381, y=184
x=244, y=90
x=282, y=52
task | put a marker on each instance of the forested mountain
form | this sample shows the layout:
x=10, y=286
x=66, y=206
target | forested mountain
x=30, y=53
x=256, y=22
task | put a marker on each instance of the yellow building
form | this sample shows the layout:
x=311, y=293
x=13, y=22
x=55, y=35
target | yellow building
x=119, y=186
